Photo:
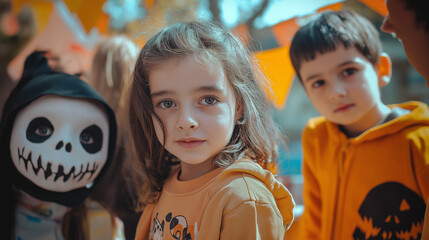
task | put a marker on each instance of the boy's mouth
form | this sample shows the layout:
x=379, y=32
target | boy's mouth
x=344, y=107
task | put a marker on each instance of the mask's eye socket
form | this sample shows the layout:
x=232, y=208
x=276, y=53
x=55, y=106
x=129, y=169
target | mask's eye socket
x=39, y=130
x=91, y=139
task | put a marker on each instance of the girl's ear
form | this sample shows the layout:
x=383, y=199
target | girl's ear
x=238, y=111
x=384, y=67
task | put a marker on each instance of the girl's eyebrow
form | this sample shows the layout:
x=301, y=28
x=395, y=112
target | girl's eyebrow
x=213, y=88
x=159, y=93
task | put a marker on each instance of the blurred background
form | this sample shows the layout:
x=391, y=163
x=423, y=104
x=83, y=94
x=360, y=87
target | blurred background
x=71, y=29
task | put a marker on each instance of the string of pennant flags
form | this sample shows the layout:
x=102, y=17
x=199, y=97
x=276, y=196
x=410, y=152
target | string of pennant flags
x=71, y=29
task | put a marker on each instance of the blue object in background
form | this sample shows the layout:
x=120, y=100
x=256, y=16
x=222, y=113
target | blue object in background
x=290, y=159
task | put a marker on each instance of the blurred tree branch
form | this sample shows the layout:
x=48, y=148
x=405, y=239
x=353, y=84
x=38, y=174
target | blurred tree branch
x=215, y=11
x=257, y=12
x=244, y=18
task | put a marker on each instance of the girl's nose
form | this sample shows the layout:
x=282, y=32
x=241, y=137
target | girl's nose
x=186, y=120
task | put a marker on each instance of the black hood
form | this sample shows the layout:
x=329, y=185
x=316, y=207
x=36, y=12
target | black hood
x=39, y=80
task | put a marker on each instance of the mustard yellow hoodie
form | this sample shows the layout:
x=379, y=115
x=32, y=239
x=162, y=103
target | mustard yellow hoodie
x=243, y=201
x=373, y=186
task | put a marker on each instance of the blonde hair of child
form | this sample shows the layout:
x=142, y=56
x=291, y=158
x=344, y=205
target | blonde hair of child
x=112, y=67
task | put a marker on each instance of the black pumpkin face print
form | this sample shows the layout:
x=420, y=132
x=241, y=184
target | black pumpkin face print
x=391, y=211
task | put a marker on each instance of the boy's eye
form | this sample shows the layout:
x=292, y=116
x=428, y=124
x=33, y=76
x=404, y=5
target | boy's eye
x=318, y=83
x=209, y=101
x=349, y=71
x=166, y=104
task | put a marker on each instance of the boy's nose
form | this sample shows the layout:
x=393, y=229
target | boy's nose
x=337, y=91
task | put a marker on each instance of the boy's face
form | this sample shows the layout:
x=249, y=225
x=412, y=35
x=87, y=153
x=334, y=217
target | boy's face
x=344, y=87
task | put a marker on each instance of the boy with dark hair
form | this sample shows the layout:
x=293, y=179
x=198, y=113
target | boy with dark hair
x=366, y=164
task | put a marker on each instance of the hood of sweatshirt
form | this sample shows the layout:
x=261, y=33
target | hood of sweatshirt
x=283, y=197
x=418, y=115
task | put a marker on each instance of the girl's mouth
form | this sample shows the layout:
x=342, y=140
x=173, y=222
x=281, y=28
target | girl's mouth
x=190, y=142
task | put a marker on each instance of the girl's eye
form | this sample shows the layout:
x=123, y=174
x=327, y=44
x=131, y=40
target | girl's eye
x=86, y=139
x=349, y=71
x=209, y=100
x=166, y=104
x=43, y=131
x=318, y=83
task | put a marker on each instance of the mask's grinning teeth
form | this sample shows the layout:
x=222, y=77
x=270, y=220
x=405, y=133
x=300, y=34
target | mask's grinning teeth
x=60, y=172
x=21, y=157
x=39, y=165
x=48, y=171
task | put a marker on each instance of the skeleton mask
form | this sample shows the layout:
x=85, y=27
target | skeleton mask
x=60, y=143
x=57, y=136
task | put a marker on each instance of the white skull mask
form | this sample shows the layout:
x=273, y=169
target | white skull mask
x=60, y=143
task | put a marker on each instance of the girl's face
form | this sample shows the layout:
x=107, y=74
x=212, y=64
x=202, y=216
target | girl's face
x=197, y=106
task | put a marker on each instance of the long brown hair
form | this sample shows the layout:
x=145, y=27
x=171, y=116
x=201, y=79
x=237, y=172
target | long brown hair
x=75, y=225
x=112, y=68
x=256, y=135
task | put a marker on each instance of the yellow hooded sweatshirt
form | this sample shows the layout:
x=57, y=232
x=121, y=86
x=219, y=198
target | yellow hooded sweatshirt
x=242, y=201
x=373, y=186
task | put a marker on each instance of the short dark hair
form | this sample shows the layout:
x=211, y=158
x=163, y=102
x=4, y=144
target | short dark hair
x=328, y=29
x=420, y=8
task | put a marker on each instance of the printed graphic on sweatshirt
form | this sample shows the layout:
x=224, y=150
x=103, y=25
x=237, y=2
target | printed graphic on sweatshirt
x=391, y=211
x=177, y=226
